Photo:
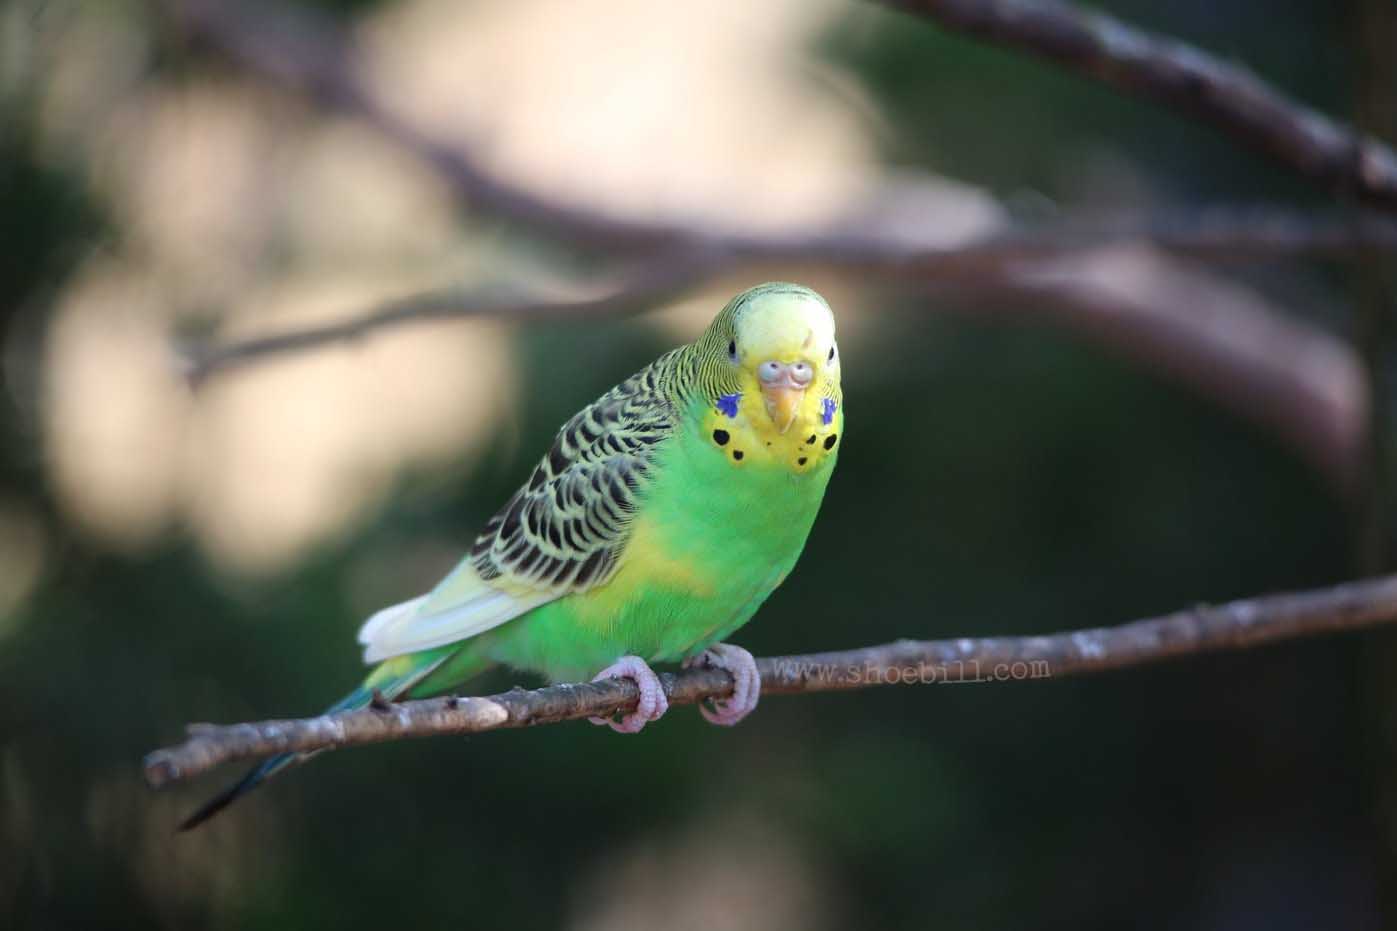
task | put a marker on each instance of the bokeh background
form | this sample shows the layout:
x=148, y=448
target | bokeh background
x=171, y=553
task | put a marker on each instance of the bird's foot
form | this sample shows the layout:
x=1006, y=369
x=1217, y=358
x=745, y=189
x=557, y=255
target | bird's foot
x=747, y=683
x=653, y=703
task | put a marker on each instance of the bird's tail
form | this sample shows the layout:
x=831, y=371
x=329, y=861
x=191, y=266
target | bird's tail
x=390, y=680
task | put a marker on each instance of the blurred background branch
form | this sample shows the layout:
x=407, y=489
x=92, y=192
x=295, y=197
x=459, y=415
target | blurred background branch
x=307, y=51
x=1184, y=78
x=303, y=49
x=1220, y=235
x=1222, y=342
x=1238, y=624
x=1295, y=380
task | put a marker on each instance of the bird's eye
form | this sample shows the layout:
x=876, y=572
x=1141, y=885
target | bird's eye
x=732, y=350
x=831, y=354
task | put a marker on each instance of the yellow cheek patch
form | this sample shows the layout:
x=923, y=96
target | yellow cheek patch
x=745, y=435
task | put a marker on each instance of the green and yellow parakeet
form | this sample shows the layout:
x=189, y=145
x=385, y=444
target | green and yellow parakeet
x=662, y=517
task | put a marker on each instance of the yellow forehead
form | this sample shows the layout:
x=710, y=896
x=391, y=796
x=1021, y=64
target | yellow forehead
x=782, y=324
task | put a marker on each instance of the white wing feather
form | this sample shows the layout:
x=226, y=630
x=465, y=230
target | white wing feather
x=563, y=532
x=462, y=606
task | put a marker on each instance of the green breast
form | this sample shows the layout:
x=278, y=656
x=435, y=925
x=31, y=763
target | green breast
x=747, y=514
x=714, y=536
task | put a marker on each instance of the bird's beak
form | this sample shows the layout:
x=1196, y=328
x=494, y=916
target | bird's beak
x=783, y=388
x=782, y=403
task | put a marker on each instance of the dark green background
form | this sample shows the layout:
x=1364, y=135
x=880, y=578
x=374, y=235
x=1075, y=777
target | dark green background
x=997, y=479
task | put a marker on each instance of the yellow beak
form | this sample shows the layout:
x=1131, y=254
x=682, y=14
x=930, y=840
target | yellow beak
x=782, y=404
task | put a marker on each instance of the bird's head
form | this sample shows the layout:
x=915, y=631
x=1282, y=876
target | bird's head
x=777, y=341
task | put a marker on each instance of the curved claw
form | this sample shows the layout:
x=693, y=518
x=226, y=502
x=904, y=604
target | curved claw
x=747, y=683
x=653, y=703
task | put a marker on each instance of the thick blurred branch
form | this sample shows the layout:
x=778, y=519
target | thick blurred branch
x=305, y=49
x=1221, y=340
x=308, y=51
x=1184, y=78
x=1234, y=625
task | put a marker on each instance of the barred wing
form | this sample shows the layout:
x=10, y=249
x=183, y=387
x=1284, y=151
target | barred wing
x=563, y=532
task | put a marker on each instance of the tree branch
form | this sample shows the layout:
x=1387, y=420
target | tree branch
x=1301, y=386
x=1183, y=78
x=1228, y=235
x=641, y=291
x=1220, y=340
x=304, y=49
x=1234, y=625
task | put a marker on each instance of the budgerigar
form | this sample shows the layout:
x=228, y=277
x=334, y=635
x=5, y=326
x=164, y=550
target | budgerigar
x=662, y=517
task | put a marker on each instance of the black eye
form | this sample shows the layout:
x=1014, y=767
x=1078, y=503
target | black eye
x=732, y=350
x=831, y=354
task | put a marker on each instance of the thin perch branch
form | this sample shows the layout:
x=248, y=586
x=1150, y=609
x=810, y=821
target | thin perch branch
x=1183, y=78
x=1234, y=625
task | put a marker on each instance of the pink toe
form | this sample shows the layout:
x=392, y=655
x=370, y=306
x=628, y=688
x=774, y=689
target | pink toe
x=747, y=685
x=630, y=724
x=652, y=703
x=719, y=714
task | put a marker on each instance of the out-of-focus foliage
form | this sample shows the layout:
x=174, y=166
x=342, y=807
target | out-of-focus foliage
x=168, y=557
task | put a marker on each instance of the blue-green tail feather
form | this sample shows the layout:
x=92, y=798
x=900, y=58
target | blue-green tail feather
x=259, y=774
x=390, y=680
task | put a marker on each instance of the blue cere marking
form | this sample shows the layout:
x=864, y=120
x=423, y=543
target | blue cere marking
x=827, y=409
x=727, y=404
